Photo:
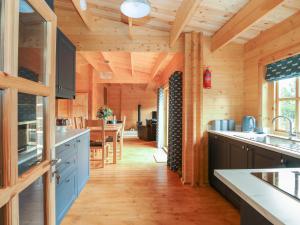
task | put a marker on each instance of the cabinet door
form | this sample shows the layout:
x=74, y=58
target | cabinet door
x=218, y=154
x=65, y=67
x=263, y=158
x=83, y=143
x=290, y=162
x=250, y=216
x=66, y=193
x=50, y=3
x=238, y=155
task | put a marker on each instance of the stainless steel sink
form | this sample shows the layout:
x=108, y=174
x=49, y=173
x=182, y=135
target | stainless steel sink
x=276, y=141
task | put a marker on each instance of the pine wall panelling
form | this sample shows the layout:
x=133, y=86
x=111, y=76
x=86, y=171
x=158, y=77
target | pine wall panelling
x=271, y=45
x=225, y=99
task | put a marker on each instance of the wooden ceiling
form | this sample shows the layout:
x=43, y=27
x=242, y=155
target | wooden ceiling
x=135, y=51
x=126, y=67
x=208, y=18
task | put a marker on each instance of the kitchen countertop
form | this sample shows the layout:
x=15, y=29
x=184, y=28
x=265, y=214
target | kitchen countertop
x=276, y=206
x=62, y=137
x=231, y=134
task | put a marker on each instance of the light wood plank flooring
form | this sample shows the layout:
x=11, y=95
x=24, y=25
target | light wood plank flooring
x=138, y=191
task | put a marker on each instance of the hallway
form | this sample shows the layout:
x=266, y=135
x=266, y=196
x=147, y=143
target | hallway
x=138, y=191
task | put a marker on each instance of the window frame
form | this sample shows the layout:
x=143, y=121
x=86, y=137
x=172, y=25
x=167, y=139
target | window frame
x=282, y=99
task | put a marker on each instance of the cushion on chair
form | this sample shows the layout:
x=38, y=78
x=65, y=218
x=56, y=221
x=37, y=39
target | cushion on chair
x=110, y=139
x=95, y=143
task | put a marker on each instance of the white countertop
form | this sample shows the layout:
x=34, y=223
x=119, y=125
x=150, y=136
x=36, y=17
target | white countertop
x=278, y=207
x=62, y=137
x=231, y=134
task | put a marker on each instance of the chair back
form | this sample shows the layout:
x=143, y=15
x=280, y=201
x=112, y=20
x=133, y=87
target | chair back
x=123, y=126
x=99, y=125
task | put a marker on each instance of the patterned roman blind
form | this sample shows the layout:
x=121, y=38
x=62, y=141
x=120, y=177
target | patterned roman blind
x=283, y=69
x=175, y=122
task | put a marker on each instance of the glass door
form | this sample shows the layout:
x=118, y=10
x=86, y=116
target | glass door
x=166, y=117
x=27, y=112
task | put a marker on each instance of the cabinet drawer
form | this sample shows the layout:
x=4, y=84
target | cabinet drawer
x=66, y=165
x=65, y=195
x=66, y=151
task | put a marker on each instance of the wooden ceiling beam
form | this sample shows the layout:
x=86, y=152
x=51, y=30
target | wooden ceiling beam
x=130, y=28
x=88, y=19
x=272, y=33
x=157, y=66
x=98, y=65
x=183, y=15
x=110, y=64
x=131, y=63
x=247, y=16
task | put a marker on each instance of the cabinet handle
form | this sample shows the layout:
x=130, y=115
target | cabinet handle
x=78, y=141
x=67, y=145
x=247, y=149
x=243, y=147
x=58, y=178
x=55, y=162
x=68, y=163
x=68, y=180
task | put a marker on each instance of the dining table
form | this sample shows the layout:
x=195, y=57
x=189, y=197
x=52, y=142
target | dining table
x=111, y=130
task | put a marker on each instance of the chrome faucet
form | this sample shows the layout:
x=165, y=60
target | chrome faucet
x=290, y=123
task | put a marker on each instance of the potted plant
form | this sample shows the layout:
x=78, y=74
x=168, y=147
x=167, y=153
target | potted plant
x=104, y=112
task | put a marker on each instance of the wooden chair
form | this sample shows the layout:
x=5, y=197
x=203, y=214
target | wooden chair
x=98, y=145
x=78, y=122
x=120, y=139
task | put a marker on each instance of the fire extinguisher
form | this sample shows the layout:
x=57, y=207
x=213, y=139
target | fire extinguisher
x=207, y=78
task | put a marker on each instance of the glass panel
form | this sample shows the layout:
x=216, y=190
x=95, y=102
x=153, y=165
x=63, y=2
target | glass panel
x=30, y=130
x=288, y=109
x=31, y=204
x=32, y=42
x=287, y=88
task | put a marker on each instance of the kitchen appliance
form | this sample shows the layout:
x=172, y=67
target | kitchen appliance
x=285, y=181
x=249, y=124
x=62, y=122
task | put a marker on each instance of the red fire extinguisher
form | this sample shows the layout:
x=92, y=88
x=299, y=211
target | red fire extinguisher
x=207, y=78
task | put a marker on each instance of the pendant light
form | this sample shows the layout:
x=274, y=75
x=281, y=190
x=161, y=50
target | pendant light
x=135, y=8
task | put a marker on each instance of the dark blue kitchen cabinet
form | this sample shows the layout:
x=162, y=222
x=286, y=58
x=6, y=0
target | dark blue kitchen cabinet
x=226, y=153
x=65, y=67
x=249, y=216
x=50, y=3
x=290, y=162
x=222, y=155
x=264, y=159
x=83, y=143
x=66, y=193
x=72, y=172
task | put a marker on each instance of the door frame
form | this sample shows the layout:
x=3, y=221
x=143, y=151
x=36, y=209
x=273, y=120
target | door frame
x=11, y=84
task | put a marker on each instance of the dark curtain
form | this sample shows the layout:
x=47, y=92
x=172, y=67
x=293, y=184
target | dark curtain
x=175, y=122
x=284, y=69
x=160, y=118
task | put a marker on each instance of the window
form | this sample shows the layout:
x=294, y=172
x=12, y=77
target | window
x=287, y=103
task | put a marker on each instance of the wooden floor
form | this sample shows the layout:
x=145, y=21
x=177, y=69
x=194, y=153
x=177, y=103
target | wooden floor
x=138, y=191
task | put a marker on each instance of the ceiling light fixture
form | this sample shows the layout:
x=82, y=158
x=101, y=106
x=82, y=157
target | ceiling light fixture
x=135, y=8
x=83, y=5
x=24, y=7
